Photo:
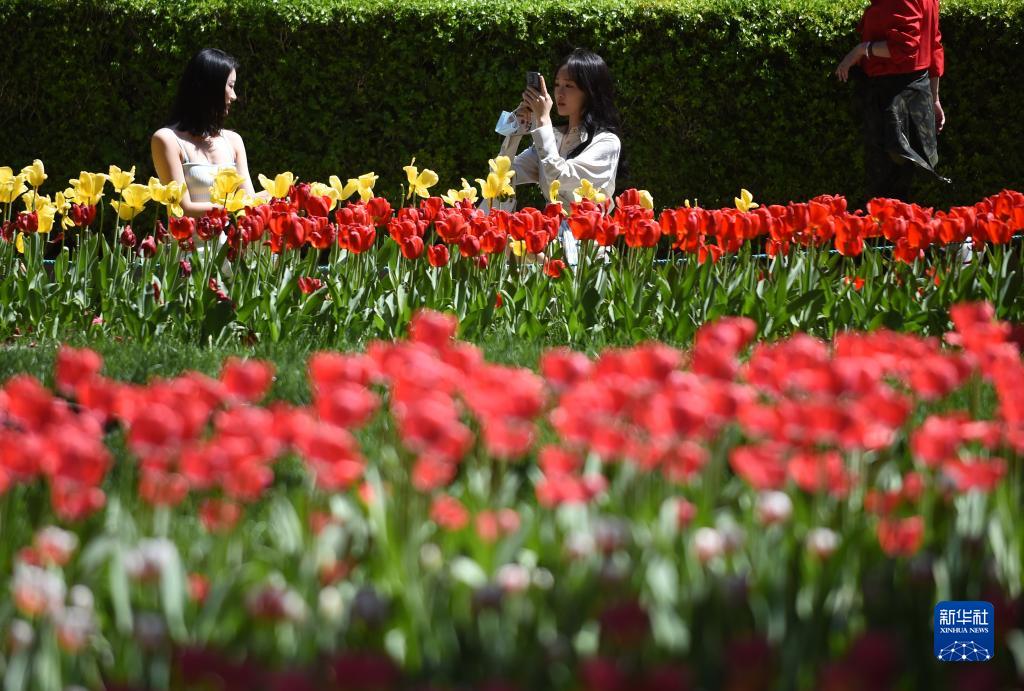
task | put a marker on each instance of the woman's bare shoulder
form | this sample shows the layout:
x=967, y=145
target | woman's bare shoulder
x=165, y=135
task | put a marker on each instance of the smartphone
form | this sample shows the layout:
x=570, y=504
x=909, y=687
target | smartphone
x=533, y=79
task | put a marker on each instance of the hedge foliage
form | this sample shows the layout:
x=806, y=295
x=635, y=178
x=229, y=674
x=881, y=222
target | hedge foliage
x=715, y=94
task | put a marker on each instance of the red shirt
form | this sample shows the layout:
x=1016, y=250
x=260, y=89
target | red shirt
x=911, y=29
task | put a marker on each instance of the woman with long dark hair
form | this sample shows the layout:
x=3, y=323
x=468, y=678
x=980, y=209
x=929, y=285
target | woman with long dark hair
x=898, y=63
x=194, y=145
x=586, y=147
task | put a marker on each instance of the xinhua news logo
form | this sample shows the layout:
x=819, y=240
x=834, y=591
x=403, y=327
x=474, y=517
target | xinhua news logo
x=964, y=631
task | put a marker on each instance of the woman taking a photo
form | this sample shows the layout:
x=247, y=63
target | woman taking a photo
x=195, y=145
x=902, y=60
x=586, y=147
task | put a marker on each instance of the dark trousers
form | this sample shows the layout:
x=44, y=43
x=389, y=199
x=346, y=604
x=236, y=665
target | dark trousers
x=895, y=112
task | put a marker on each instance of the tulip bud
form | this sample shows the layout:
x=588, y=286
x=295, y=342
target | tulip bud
x=36, y=591
x=74, y=627
x=147, y=248
x=822, y=542
x=774, y=507
x=330, y=605
x=732, y=533
x=709, y=544
x=127, y=237
x=198, y=587
x=685, y=513
x=186, y=267
x=81, y=596
x=55, y=545
x=161, y=233
x=513, y=578
x=148, y=560
x=275, y=602
x=27, y=222
x=579, y=545
x=431, y=557
x=20, y=636
x=543, y=579
x=610, y=535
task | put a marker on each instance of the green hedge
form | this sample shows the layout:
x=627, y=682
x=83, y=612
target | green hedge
x=715, y=94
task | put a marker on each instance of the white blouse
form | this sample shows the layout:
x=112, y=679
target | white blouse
x=545, y=161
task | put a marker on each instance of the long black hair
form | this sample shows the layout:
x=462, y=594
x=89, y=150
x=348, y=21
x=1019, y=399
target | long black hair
x=199, y=107
x=591, y=74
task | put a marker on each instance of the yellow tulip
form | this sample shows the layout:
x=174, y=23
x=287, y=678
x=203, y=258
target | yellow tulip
x=11, y=186
x=62, y=200
x=88, y=188
x=365, y=183
x=345, y=191
x=46, y=215
x=174, y=193
x=226, y=182
x=121, y=178
x=646, y=200
x=586, y=190
x=170, y=195
x=455, y=196
x=518, y=247
x=553, y=190
x=35, y=174
x=238, y=200
x=279, y=186
x=19, y=243
x=34, y=201
x=745, y=202
x=492, y=187
x=134, y=198
x=502, y=166
x=419, y=182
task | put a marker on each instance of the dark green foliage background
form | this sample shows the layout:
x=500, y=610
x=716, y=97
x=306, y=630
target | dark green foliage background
x=715, y=94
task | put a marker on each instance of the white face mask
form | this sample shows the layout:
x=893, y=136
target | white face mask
x=508, y=124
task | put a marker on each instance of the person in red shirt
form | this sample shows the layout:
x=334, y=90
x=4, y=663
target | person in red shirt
x=898, y=64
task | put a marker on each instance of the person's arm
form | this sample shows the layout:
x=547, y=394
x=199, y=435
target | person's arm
x=597, y=163
x=903, y=39
x=940, y=114
x=165, y=148
x=936, y=70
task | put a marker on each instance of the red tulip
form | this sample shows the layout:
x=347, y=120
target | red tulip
x=309, y=285
x=438, y=255
x=147, y=248
x=411, y=247
x=127, y=238
x=469, y=246
x=554, y=268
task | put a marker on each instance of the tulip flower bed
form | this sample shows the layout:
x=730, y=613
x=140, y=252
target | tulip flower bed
x=741, y=515
x=305, y=263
